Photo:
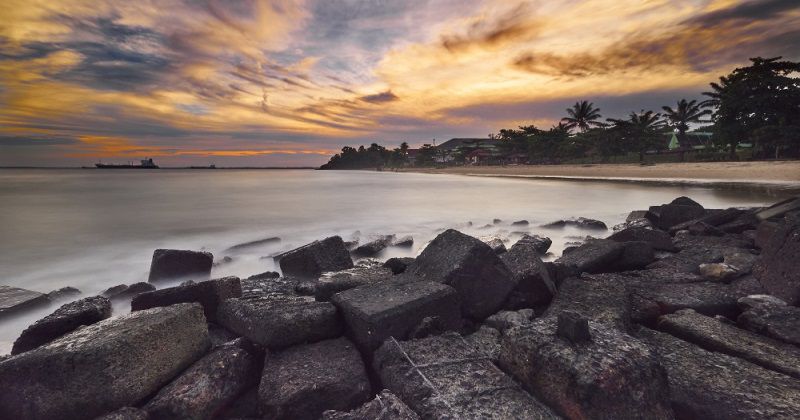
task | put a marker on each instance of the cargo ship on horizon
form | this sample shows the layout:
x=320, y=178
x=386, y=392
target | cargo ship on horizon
x=146, y=163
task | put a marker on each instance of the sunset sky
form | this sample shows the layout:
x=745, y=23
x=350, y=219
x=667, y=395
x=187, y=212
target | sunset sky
x=285, y=83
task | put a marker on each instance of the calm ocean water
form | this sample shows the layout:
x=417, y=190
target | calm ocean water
x=93, y=229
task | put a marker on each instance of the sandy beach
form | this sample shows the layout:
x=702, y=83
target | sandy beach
x=777, y=172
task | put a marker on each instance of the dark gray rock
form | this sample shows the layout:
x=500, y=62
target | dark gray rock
x=398, y=265
x=303, y=382
x=669, y=215
x=485, y=340
x=764, y=231
x=751, y=301
x=470, y=266
x=245, y=407
x=635, y=255
x=713, y=335
x=444, y=377
x=505, y=320
x=209, y=385
x=715, y=386
x=649, y=302
x=63, y=293
x=15, y=300
x=781, y=322
x=385, y=406
x=747, y=221
x=65, y=319
x=533, y=286
x=602, y=300
x=779, y=265
x=595, y=256
x=704, y=229
x=430, y=325
x=520, y=223
x=278, y=323
x=612, y=376
x=208, y=293
x=686, y=201
x=278, y=287
x=331, y=283
x=403, y=242
x=376, y=312
x=659, y=239
x=540, y=243
x=372, y=248
x=267, y=275
x=311, y=260
x=220, y=335
x=580, y=222
x=253, y=244
x=696, y=250
x=172, y=264
x=497, y=245
x=573, y=328
x=123, y=291
x=126, y=413
x=101, y=367
x=712, y=217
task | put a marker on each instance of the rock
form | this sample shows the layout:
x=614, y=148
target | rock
x=101, y=367
x=124, y=291
x=764, y=231
x=717, y=272
x=749, y=302
x=376, y=312
x=246, y=406
x=63, y=294
x=208, y=293
x=686, y=201
x=398, y=265
x=14, y=300
x=496, y=221
x=126, y=413
x=533, y=286
x=669, y=215
x=173, y=264
x=313, y=259
x=279, y=287
x=704, y=297
x=505, y=320
x=267, y=275
x=278, y=323
x=331, y=283
x=372, y=248
x=601, y=300
x=253, y=244
x=777, y=270
x=713, y=335
x=385, y=406
x=704, y=229
x=746, y=221
x=209, y=385
x=65, y=319
x=444, y=377
x=485, y=340
x=497, y=245
x=696, y=250
x=612, y=376
x=303, y=382
x=225, y=260
x=580, y=222
x=781, y=322
x=715, y=386
x=658, y=239
x=470, y=266
x=403, y=242
x=520, y=223
x=573, y=327
x=635, y=255
x=594, y=256
x=219, y=336
x=540, y=243
x=712, y=218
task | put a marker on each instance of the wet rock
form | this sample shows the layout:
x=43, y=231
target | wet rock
x=445, y=377
x=15, y=300
x=635, y=255
x=764, y=231
x=481, y=279
x=533, y=284
x=219, y=336
x=101, y=367
x=208, y=293
x=497, y=245
x=376, y=312
x=580, y=222
x=658, y=239
x=704, y=229
x=777, y=270
x=430, y=325
x=686, y=201
x=520, y=223
x=496, y=221
x=717, y=271
x=398, y=265
x=602, y=300
x=712, y=218
x=573, y=328
x=207, y=386
x=540, y=243
x=311, y=260
x=669, y=215
x=372, y=248
x=385, y=406
x=594, y=256
x=278, y=287
x=612, y=376
x=245, y=407
x=65, y=319
x=303, y=382
x=751, y=301
x=486, y=340
x=781, y=322
x=704, y=297
x=331, y=283
x=696, y=250
x=403, y=242
x=253, y=244
x=124, y=291
x=170, y=264
x=715, y=386
x=505, y=320
x=126, y=413
x=746, y=221
x=716, y=336
x=225, y=260
x=278, y=323
x=63, y=294
x=265, y=276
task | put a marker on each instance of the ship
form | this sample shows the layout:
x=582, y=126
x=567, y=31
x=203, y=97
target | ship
x=212, y=166
x=145, y=164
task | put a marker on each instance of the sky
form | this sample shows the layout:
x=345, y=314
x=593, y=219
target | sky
x=288, y=83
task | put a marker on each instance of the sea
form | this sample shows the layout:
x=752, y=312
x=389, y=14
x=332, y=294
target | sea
x=93, y=229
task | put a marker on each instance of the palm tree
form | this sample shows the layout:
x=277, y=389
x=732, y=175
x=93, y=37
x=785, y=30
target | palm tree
x=643, y=129
x=582, y=115
x=687, y=112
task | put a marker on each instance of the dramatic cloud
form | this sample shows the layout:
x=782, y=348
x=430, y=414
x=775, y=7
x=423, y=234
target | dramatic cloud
x=286, y=82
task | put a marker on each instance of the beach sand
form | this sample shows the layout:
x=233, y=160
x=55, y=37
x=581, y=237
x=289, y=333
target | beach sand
x=777, y=171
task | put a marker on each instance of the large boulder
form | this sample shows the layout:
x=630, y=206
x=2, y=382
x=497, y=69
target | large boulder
x=580, y=222
x=331, y=283
x=104, y=366
x=533, y=284
x=376, y=312
x=209, y=385
x=280, y=322
x=779, y=321
x=612, y=375
x=470, y=266
x=302, y=382
x=445, y=377
x=540, y=243
x=374, y=247
x=711, y=218
x=680, y=210
x=385, y=406
x=398, y=264
x=65, y=319
x=126, y=413
x=648, y=302
x=779, y=266
x=14, y=300
x=208, y=293
x=311, y=260
x=173, y=264
x=124, y=291
x=715, y=386
x=599, y=299
x=602, y=256
x=658, y=239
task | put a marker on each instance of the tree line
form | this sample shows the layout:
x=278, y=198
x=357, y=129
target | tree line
x=758, y=104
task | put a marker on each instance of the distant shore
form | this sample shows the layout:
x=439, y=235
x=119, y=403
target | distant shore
x=769, y=172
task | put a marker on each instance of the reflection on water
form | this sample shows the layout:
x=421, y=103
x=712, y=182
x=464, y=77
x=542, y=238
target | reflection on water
x=93, y=229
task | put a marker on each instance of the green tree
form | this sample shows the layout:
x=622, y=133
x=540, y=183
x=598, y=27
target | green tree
x=641, y=132
x=582, y=115
x=687, y=112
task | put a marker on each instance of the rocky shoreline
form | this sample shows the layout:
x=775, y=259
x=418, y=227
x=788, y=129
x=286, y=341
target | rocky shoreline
x=681, y=312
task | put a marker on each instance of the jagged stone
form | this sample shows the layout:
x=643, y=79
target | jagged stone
x=520, y=223
x=385, y=406
x=173, y=264
x=398, y=265
x=764, y=231
x=126, y=413
x=774, y=320
x=372, y=248
x=540, y=243
x=592, y=257
x=253, y=244
x=533, y=286
x=403, y=242
x=777, y=270
x=209, y=293
x=497, y=245
x=311, y=260
x=15, y=300
x=331, y=283
x=267, y=275
x=63, y=293
x=712, y=218
x=704, y=229
x=751, y=301
x=709, y=298
x=659, y=239
x=505, y=320
x=599, y=299
x=573, y=328
x=486, y=340
x=580, y=222
x=65, y=319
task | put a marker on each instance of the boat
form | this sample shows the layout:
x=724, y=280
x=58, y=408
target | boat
x=145, y=164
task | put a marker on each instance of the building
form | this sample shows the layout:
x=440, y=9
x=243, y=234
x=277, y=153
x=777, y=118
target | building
x=691, y=141
x=452, y=149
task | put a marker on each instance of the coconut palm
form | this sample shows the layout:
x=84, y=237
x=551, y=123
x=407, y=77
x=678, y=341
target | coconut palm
x=643, y=130
x=582, y=115
x=685, y=113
